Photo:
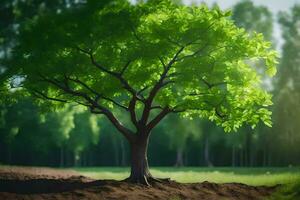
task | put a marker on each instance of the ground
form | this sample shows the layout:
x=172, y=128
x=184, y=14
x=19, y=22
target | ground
x=49, y=183
x=255, y=176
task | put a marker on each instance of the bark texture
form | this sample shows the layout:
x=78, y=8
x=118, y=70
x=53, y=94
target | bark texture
x=139, y=162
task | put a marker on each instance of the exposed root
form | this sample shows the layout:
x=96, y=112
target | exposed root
x=148, y=180
x=143, y=180
x=159, y=180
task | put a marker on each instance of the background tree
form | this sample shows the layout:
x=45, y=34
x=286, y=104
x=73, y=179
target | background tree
x=85, y=134
x=179, y=131
x=258, y=19
x=59, y=126
x=287, y=97
x=18, y=130
x=150, y=60
x=253, y=18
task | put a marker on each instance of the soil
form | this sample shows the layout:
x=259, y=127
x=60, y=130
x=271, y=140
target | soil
x=48, y=183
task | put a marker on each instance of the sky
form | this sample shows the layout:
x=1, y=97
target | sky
x=273, y=5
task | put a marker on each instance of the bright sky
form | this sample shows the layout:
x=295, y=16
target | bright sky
x=274, y=5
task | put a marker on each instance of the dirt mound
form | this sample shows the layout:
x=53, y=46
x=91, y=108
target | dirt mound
x=47, y=183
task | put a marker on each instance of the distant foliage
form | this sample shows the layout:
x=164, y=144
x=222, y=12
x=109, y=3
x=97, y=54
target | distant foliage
x=253, y=18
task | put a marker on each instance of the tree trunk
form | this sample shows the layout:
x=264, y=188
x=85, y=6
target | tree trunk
x=241, y=157
x=248, y=144
x=116, y=151
x=206, y=153
x=9, y=155
x=179, y=158
x=139, y=163
x=123, y=153
x=265, y=158
x=61, y=159
x=233, y=157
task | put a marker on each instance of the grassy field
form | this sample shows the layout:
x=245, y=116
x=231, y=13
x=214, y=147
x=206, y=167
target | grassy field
x=250, y=176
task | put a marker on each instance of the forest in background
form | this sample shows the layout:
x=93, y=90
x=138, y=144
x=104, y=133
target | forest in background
x=73, y=137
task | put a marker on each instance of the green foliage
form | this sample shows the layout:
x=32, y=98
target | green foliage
x=287, y=94
x=208, y=77
x=253, y=18
x=73, y=128
x=21, y=123
x=15, y=14
x=85, y=134
x=45, y=135
x=59, y=124
x=288, y=192
x=180, y=130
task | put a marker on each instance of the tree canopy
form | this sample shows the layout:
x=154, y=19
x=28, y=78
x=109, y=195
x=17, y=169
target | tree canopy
x=150, y=58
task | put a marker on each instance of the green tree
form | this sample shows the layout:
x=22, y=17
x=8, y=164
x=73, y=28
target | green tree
x=179, y=131
x=59, y=126
x=148, y=60
x=12, y=15
x=287, y=97
x=253, y=18
x=259, y=19
x=85, y=133
x=18, y=120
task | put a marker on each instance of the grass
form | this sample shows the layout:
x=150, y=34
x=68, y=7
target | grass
x=250, y=176
x=289, y=191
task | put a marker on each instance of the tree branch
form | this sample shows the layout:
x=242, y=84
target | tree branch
x=162, y=62
x=94, y=105
x=83, y=84
x=125, y=67
x=112, y=73
x=39, y=94
x=158, y=118
x=96, y=93
x=126, y=132
x=174, y=42
x=142, y=90
x=115, y=102
x=156, y=107
x=157, y=86
x=195, y=53
x=83, y=104
x=131, y=109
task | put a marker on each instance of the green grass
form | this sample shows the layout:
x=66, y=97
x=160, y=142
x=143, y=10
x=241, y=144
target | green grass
x=250, y=176
x=289, y=191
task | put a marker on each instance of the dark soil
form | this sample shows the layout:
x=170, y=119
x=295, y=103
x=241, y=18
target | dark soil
x=47, y=183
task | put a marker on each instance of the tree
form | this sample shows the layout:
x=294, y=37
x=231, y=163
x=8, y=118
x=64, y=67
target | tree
x=15, y=125
x=148, y=60
x=59, y=126
x=85, y=134
x=181, y=131
x=287, y=93
x=253, y=19
x=13, y=14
